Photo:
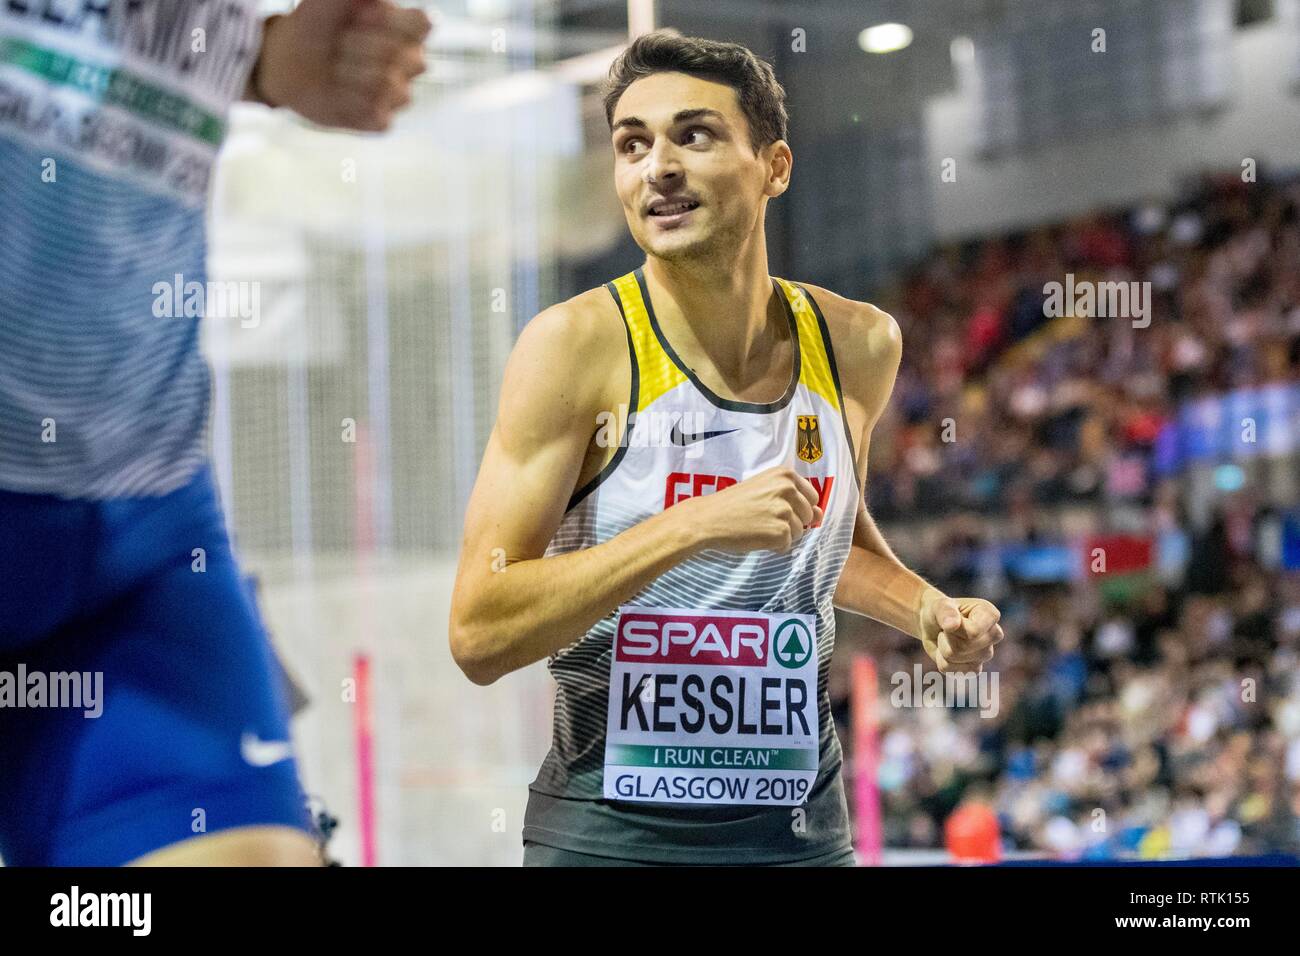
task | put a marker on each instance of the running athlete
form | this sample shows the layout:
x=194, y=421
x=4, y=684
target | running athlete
x=670, y=505
x=116, y=574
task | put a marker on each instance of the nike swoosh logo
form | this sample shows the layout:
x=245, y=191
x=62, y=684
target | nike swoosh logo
x=262, y=753
x=677, y=438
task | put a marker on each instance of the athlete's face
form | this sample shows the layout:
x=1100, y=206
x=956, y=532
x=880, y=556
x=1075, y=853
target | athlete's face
x=689, y=180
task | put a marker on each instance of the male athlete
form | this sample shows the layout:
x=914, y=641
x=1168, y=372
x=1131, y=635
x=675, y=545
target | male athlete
x=116, y=575
x=681, y=575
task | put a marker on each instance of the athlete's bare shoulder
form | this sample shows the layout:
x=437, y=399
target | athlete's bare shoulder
x=861, y=326
x=589, y=320
x=868, y=345
x=567, y=363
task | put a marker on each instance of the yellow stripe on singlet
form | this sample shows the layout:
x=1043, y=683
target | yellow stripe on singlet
x=815, y=365
x=658, y=373
x=655, y=369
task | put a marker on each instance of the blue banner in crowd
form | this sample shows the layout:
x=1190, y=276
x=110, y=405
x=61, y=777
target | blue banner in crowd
x=1043, y=563
x=1232, y=427
x=1291, y=541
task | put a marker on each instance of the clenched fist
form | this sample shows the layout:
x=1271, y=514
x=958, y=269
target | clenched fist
x=345, y=63
x=768, y=511
x=959, y=633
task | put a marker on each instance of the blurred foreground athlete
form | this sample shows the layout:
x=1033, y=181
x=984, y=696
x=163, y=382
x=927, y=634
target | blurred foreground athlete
x=116, y=575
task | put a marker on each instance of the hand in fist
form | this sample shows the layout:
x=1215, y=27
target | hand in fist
x=346, y=63
x=959, y=633
x=770, y=511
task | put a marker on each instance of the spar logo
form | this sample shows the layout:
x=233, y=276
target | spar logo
x=794, y=644
x=666, y=637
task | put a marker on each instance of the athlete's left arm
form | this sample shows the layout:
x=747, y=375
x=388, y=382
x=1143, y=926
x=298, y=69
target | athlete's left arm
x=957, y=632
x=343, y=63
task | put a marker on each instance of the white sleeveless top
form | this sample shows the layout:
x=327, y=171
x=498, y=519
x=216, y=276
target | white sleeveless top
x=653, y=679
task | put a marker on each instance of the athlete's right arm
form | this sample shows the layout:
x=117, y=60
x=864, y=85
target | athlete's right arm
x=510, y=606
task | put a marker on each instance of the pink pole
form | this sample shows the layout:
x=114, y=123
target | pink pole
x=365, y=741
x=866, y=759
x=365, y=759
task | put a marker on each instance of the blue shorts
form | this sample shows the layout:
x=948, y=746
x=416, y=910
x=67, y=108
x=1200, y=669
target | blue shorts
x=188, y=733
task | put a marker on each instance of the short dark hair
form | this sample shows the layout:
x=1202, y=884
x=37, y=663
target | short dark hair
x=761, y=96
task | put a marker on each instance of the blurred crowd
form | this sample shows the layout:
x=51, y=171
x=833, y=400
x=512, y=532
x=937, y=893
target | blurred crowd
x=999, y=408
x=1153, y=713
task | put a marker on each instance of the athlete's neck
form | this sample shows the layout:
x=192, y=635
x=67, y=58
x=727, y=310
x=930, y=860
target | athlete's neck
x=731, y=313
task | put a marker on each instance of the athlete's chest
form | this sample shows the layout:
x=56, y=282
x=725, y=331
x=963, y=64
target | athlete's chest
x=675, y=437
x=684, y=445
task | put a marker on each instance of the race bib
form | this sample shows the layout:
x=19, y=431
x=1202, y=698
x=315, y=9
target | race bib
x=712, y=707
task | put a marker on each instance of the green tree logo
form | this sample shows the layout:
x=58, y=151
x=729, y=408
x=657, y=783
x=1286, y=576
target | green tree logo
x=793, y=644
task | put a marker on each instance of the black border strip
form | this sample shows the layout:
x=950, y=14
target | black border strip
x=835, y=376
x=613, y=463
x=729, y=403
